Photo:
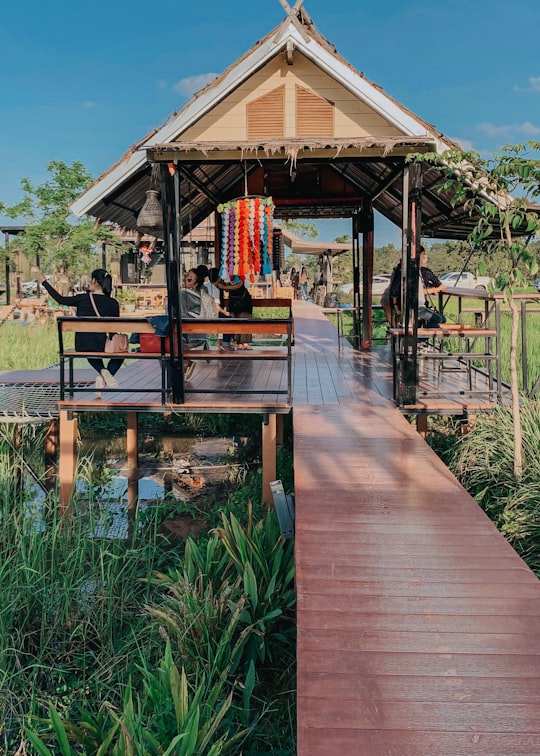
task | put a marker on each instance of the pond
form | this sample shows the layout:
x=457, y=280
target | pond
x=172, y=469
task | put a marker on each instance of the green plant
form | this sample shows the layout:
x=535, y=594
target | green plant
x=164, y=718
x=483, y=462
x=127, y=295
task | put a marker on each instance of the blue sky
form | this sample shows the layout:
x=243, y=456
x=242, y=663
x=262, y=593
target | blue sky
x=84, y=82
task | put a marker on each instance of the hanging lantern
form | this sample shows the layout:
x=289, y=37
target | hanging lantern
x=151, y=215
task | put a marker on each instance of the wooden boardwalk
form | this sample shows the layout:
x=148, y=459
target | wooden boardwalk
x=418, y=625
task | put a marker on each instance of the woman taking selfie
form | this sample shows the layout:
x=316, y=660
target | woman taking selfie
x=96, y=302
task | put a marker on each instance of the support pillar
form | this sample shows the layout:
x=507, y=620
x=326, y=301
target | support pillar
x=422, y=425
x=67, y=462
x=268, y=457
x=132, y=449
x=367, y=275
x=279, y=430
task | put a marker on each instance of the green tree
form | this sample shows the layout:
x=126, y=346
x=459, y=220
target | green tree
x=499, y=192
x=301, y=229
x=62, y=242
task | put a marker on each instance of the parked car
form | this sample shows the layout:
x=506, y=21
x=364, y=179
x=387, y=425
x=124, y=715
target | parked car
x=29, y=288
x=465, y=280
x=379, y=285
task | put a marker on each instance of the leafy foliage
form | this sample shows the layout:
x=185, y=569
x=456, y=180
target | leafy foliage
x=498, y=193
x=483, y=462
x=61, y=242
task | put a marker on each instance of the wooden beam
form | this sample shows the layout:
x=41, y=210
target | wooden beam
x=67, y=462
x=268, y=457
x=132, y=451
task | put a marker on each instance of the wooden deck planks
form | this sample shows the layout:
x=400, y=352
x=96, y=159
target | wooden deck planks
x=417, y=622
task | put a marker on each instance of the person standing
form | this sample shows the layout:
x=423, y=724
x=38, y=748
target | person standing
x=295, y=282
x=98, y=297
x=303, y=284
x=428, y=283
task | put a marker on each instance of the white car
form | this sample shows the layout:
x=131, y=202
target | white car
x=379, y=285
x=465, y=280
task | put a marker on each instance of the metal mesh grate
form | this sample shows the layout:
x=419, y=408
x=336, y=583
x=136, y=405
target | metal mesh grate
x=31, y=400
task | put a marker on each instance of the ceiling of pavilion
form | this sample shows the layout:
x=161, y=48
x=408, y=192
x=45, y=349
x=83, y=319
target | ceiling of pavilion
x=317, y=188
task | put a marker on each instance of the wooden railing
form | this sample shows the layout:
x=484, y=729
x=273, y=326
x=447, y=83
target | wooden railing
x=264, y=327
x=460, y=348
x=478, y=314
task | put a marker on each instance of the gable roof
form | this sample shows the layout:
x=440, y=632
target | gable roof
x=365, y=166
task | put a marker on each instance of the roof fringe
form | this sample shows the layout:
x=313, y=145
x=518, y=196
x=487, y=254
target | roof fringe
x=292, y=147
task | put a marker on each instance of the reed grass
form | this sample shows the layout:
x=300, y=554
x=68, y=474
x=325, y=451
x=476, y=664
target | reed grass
x=483, y=462
x=28, y=347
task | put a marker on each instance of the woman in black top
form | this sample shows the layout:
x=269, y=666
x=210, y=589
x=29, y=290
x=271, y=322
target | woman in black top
x=100, y=288
x=240, y=305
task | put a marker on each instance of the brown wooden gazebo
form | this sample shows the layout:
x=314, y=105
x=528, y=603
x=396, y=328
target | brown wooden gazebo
x=294, y=121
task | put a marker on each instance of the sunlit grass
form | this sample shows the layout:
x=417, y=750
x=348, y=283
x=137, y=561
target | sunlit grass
x=28, y=347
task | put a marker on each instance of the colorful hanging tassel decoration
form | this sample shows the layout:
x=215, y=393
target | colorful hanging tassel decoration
x=246, y=237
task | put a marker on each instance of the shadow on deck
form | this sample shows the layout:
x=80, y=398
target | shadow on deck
x=417, y=622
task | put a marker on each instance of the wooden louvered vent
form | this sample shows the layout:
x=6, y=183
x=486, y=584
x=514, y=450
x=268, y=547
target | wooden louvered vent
x=266, y=116
x=314, y=114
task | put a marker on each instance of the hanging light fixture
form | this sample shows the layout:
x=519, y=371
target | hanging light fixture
x=150, y=216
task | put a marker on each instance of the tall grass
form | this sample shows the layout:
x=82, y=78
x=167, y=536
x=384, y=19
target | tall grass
x=483, y=462
x=89, y=661
x=28, y=347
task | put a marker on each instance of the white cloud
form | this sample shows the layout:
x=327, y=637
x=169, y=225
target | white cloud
x=526, y=128
x=465, y=144
x=529, y=129
x=192, y=84
x=534, y=85
x=89, y=104
x=490, y=130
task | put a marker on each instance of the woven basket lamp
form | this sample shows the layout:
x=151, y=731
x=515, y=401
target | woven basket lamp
x=151, y=215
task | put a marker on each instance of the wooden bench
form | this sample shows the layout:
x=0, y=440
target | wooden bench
x=282, y=327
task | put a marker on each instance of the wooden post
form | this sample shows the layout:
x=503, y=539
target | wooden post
x=279, y=430
x=422, y=425
x=67, y=462
x=132, y=448
x=268, y=457
x=367, y=275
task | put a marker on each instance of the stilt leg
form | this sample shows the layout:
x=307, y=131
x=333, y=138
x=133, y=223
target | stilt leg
x=422, y=425
x=268, y=457
x=67, y=463
x=132, y=461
